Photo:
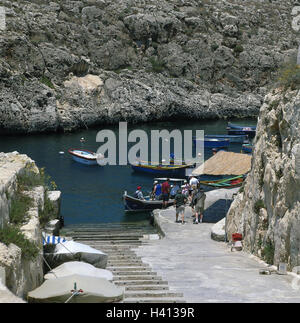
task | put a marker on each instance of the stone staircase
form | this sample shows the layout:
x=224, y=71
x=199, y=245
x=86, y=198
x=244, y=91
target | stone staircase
x=118, y=240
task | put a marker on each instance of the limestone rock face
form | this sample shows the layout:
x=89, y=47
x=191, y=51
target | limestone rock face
x=267, y=212
x=71, y=64
x=22, y=274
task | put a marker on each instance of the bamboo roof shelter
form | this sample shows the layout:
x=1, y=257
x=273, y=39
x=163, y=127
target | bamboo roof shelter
x=225, y=163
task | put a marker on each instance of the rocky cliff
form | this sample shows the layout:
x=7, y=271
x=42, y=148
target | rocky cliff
x=21, y=206
x=69, y=64
x=267, y=209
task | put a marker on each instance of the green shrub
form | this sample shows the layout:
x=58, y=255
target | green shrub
x=268, y=252
x=238, y=49
x=12, y=234
x=19, y=207
x=157, y=65
x=258, y=205
x=289, y=75
x=214, y=47
x=46, y=214
x=30, y=179
x=45, y=80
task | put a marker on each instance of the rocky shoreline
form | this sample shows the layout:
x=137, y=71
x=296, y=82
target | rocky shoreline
x=66, y=65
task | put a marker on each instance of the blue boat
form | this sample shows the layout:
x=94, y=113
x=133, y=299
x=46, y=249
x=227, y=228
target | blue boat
x=83, y=156
x=212, y=142
x=172, y=170
x=247, y=148
x=238, y=127
x=233, y=129
x=232, y=138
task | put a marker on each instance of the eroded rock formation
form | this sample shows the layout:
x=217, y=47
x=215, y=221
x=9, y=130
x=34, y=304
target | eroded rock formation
x=267, y=209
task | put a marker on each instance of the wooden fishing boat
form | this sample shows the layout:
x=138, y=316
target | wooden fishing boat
x=133, y=204
x=83, y=156
x=232, y=138
x=212, y=142
x=247, y=148
x=163, y=170
x=225, y=183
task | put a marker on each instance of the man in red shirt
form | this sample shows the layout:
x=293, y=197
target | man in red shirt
x=165, y=188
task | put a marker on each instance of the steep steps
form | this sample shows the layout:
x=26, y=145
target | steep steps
x=140, y=283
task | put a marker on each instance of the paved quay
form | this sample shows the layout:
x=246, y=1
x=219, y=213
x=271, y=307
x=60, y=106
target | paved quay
x=205, y=270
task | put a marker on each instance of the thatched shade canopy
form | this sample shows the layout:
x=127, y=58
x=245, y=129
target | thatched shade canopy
x=225, y=163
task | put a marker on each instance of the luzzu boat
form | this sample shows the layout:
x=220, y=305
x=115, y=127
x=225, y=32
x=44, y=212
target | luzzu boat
x=83, y=156
x=212, y=142
x=162, y=170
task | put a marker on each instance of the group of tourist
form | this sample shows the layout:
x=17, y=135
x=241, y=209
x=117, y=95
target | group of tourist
x=193, y=194
x=190, y=192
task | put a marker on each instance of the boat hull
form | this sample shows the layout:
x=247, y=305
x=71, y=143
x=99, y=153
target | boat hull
x=224, y=183
x=243, y=128
x=232, y=138
x=175, y=171
x=233, y=129
x=83, y=156
x=247, y=149
x=132, y=204
x=212, y=142
x=250, y=133
x=84, y=161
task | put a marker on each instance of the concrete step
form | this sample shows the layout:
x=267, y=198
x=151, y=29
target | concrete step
x=152, y=294
x=135, y=277
x=133, y=272
x=111, y=240
x=114, y=246
x=147, y=288
x=123, y=258
x=152, y=300
x=129, y=269
x=126, y=264
x=153, y=282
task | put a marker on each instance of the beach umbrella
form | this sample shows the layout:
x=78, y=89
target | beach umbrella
x=74, y=251
x=78, y=268
x=76, y=289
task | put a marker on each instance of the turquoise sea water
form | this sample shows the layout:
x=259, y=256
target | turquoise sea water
x=93, y=194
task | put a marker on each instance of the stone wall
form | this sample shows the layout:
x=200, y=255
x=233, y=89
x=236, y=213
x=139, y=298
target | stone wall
x=267, y=209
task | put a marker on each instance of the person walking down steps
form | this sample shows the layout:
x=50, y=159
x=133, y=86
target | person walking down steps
x=198, y=202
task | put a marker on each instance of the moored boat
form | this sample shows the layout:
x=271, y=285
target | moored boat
x=133, y=204
x=232, y=138
x=212, y=142
x=83, y=156
x=163, y=170
x=225, y=183
x=236, y=130
x=247, y=148
x=238, y=127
